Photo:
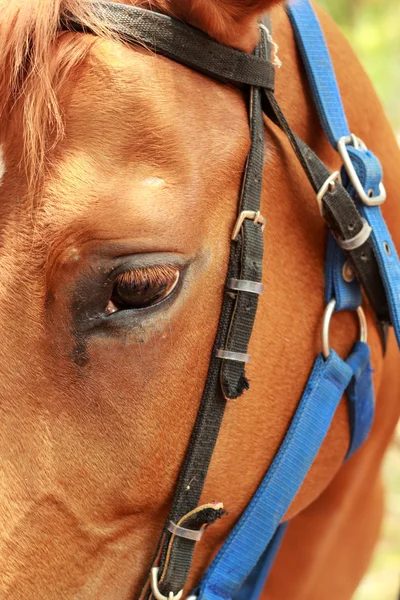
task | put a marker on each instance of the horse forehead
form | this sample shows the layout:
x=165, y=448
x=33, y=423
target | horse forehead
x=135, y=132
x=129, y=93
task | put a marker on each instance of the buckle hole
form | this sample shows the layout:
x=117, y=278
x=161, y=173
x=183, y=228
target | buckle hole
x=348, y=273
x=371, y=193
x=387, y=248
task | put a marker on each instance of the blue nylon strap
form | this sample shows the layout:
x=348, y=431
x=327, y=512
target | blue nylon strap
x=258, y=524
x=347, y=295
x=254, y=584
x=360, y=396
x=319, y=68
x=369, y=172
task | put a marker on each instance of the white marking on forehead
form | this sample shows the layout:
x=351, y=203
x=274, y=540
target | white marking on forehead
x=2, y=164
x=153, y=182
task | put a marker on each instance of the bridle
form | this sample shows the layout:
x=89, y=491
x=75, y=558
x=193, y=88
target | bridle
x=350, y=244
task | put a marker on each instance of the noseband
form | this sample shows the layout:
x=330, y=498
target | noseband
x=349, y=204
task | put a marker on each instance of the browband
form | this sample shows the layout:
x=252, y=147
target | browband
x=180, y=42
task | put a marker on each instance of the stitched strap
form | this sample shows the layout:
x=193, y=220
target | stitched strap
x=369, y=172
x=254, y=584
x=346, y=293
x=360, y=396
x=226, y=379
x=259, y=522
x=318, y=64
x=180, y=42
x=319, y=68
x=339, y=212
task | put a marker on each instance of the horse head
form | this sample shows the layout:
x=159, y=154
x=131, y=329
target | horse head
x=120, y=176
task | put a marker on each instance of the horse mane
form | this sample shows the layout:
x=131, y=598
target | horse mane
x=36, y=58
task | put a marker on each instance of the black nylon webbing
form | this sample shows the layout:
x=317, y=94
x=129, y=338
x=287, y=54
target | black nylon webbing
x=339, y=212
x=180, y=42
x=224, y=377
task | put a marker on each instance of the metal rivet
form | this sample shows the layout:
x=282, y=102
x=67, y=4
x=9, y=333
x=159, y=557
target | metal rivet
x=348, y=273
x=387, y=248
x=364, y=257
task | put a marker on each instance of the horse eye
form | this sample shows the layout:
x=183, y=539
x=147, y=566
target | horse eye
x=142, y=288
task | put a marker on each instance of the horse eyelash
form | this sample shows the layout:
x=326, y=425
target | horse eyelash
x=152, y=276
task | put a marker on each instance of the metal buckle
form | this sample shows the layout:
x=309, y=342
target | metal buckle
x=330, y=309
x=329, y=184
x=156, y=592
x=352, y=173
x=255, y=216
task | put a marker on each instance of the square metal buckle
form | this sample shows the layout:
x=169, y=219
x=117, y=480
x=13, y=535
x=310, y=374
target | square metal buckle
x=367, y=198
x=255, y=216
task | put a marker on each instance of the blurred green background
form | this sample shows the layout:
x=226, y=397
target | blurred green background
x=373, y=28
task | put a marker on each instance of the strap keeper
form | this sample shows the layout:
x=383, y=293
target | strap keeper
x=358, y=240
x=235, y=356
x=243, y=285
x=188, y=534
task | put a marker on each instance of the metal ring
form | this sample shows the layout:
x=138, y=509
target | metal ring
x=358, y=240
x=235, y=356
x=188, y=534
x=156, y=592
x=330, y=309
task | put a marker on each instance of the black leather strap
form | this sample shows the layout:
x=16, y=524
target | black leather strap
x=180, y=42
x=339, y=212
x=226, y=379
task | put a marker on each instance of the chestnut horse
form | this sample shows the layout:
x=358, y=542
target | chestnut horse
x=120, y=172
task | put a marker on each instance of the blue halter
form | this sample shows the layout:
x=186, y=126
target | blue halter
x=241, y=567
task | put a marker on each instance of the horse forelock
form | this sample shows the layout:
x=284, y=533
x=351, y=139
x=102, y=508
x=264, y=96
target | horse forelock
x=36, y=58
